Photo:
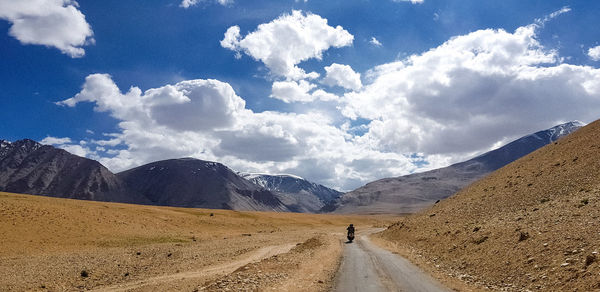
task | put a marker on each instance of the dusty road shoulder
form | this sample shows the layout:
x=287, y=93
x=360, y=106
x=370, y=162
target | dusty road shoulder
x=199, y=275
x=428, y=267
x=309, y=266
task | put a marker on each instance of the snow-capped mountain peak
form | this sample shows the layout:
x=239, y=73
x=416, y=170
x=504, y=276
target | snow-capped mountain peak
x=306, y=196
x=23, y=146
x=556, y=132
x=4, y=147
x=253, y=175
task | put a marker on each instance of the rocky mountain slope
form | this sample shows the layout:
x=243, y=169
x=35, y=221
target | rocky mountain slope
x=189, y=182
x=32, y=168
x=295, y=192
x=29, y=167
x=532, y=225
x=410, y=193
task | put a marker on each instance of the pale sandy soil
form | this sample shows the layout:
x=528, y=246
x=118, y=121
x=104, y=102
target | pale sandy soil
x=309, y=266
x=50, y=244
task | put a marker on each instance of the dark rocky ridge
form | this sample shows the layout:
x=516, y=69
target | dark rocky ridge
x=189, y=182
x=29, y=167
x=32, y=168
x=414, y=192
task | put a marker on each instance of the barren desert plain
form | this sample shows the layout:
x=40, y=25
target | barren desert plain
x=51, y=244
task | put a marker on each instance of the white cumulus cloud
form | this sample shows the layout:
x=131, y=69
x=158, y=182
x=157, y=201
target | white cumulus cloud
x=55, y=140
x=76, y=149
x=471, y=92
x=67, y=144
x=187, y=106
x=190, y=3
x=443, y=105
x=52, y=23
x=299, y=91
x=375, y=42
x=594, y=53
x=292, y=91
x=288, y=40
x=343, y=76
x=209, y=121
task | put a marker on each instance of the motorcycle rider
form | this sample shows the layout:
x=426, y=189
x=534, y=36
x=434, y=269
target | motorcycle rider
x=350, y=231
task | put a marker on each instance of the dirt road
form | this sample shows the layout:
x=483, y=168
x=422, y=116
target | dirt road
x=222, y=269
x=366, y=267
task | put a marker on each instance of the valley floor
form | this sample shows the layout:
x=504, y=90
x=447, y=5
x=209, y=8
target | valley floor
x=51, y=244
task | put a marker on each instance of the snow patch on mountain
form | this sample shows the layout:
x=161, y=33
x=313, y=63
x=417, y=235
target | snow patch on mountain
x=556, y=132
x=298, y=194
x=253, y=175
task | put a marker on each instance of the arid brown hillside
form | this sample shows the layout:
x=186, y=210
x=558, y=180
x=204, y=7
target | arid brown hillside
x=532, y=225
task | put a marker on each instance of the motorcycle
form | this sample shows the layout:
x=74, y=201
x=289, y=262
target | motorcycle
x=350, y=237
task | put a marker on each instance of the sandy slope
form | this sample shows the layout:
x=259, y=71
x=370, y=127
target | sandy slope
x=532, y=225
x=48, y=243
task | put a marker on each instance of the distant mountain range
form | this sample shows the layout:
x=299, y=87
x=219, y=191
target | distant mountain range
x=32, y=168
x=411, y=193
x=189, y=182
x=298, y=194
x=29, y=167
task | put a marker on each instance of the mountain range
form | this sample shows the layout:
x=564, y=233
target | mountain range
x=414, y=192
x=298, y=194
x=189, y=182
x=32, y=168
x=29, y=167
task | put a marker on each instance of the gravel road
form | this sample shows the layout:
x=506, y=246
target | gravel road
x=366, y=267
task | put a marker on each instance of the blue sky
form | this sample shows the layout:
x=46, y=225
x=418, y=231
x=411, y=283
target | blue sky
x=444, y=81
